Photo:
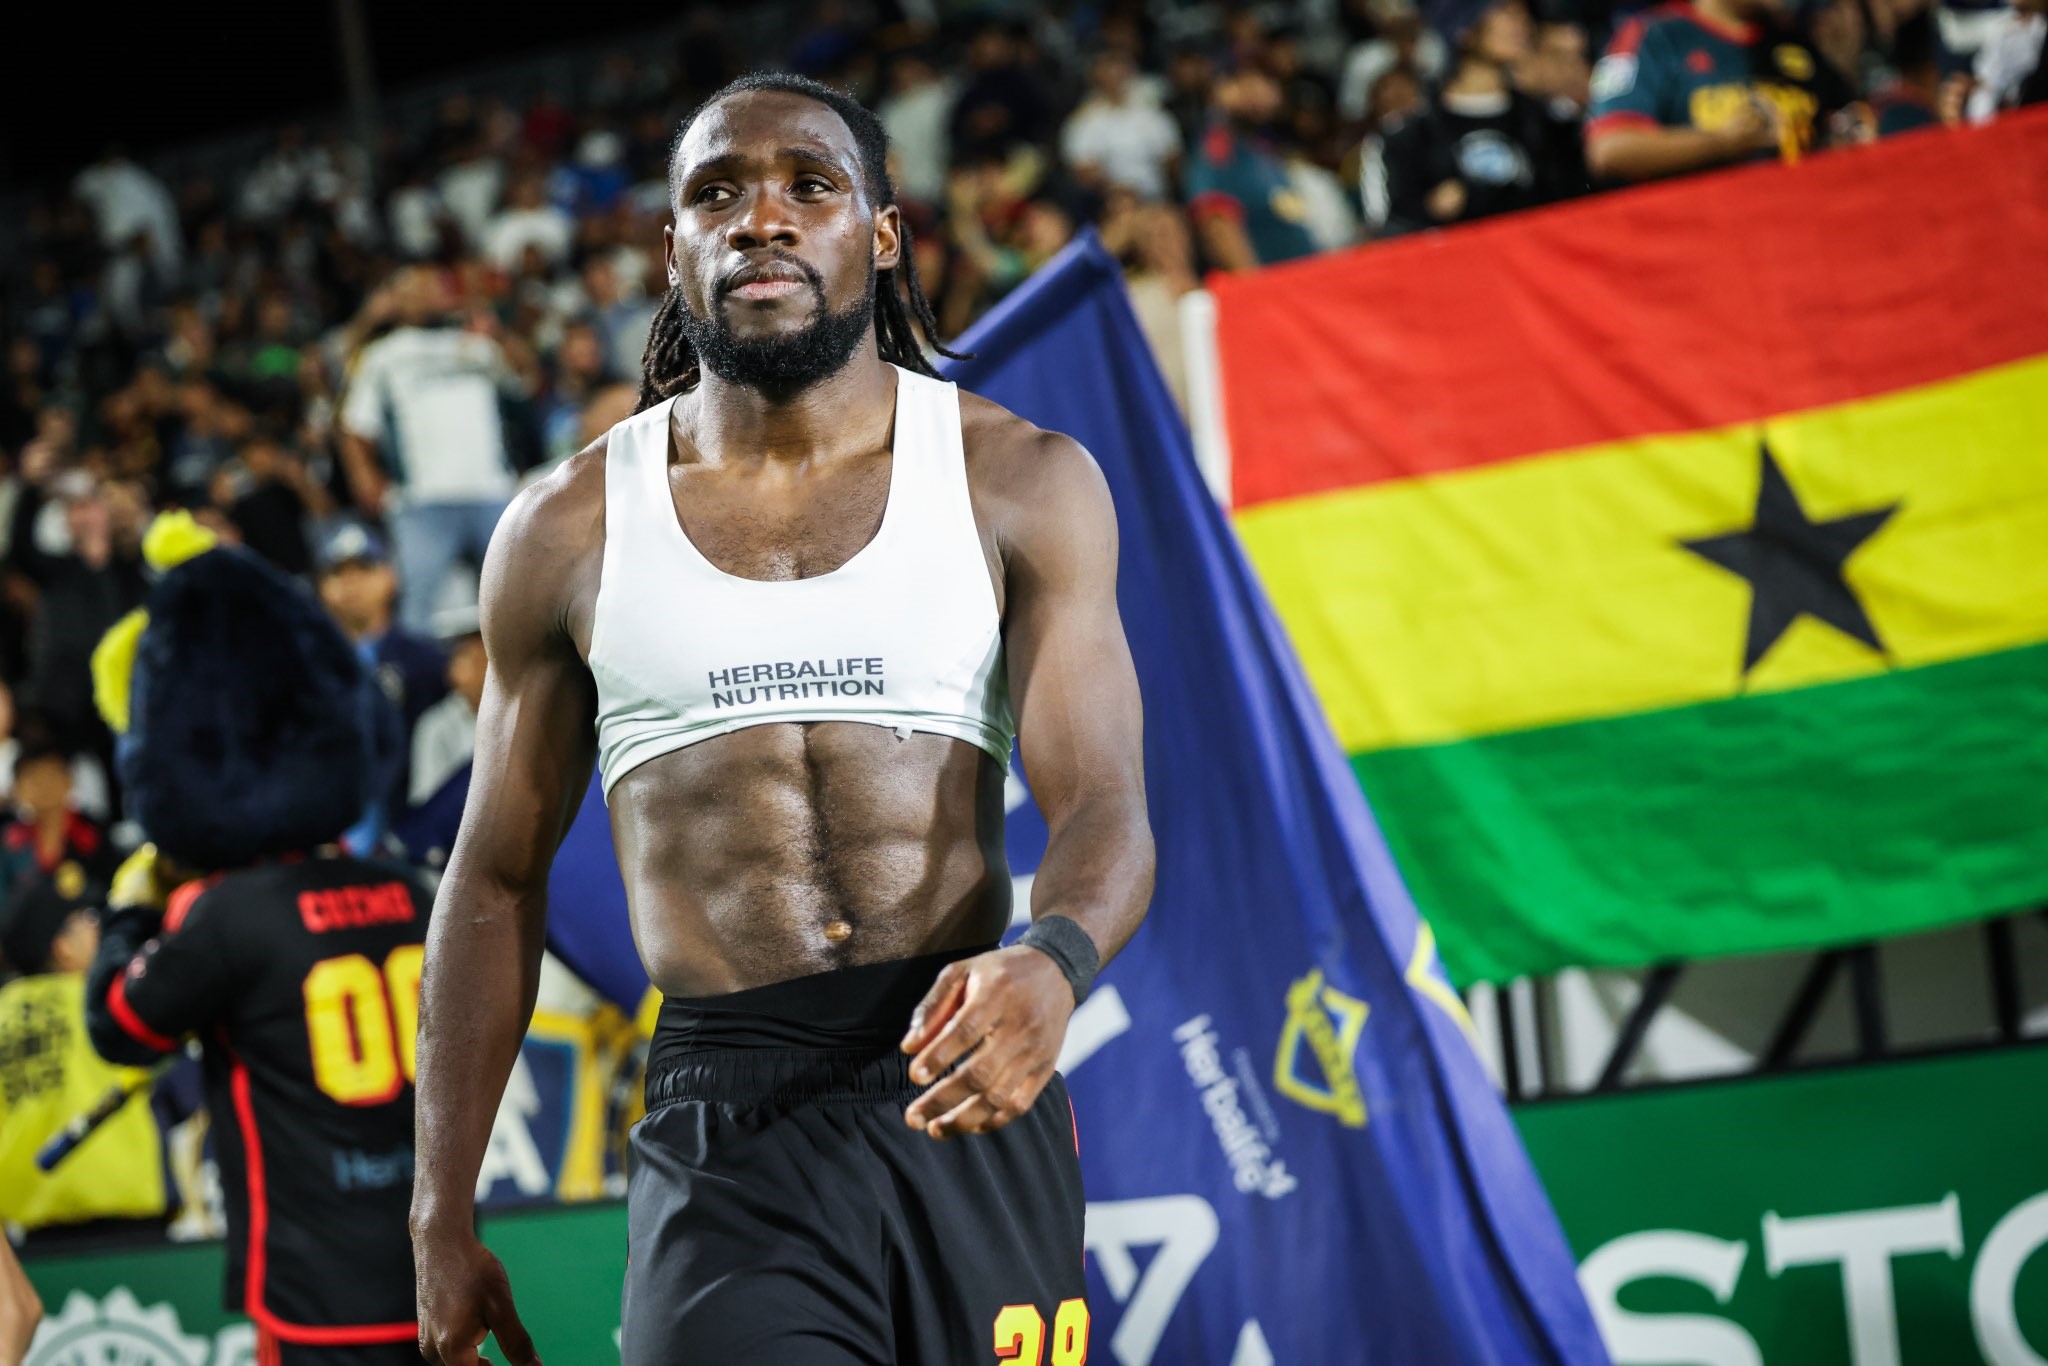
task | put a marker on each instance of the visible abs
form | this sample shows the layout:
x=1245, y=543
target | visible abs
x=782, y=850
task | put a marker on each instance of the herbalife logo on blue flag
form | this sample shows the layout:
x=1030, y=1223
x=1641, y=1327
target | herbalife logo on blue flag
x=1313, y=1067
x=1246, y=1144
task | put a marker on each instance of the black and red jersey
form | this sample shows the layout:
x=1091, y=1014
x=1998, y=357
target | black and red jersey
x=301, y=979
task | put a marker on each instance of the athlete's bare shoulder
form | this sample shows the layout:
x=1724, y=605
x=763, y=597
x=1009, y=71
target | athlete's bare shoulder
x=540, y=578
x=1026, y=481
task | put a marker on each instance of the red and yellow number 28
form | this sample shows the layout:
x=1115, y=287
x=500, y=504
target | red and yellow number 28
x=1020, y=1334
x=361, y=1021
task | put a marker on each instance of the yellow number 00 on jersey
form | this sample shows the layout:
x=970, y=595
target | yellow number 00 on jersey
x=363, y=1022
x=1020, y=1334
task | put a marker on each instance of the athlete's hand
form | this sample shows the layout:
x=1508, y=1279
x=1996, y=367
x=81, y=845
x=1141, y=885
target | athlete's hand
x=1005, y=1012
x=463, y=1294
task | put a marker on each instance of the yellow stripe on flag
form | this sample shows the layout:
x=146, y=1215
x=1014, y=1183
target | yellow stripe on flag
x=1556, y=588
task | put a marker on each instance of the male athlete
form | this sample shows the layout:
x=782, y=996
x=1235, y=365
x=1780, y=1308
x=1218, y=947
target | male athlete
x=790, y=609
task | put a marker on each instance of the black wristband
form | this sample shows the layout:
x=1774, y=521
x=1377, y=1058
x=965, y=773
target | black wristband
x=1069, y=946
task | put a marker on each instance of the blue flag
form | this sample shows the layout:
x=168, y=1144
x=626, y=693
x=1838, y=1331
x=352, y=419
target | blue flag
x=1291, y=1152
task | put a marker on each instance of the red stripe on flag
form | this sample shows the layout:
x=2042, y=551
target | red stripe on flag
x=1704, y=302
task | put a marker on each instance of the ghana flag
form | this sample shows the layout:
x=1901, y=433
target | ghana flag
x=1674, y=565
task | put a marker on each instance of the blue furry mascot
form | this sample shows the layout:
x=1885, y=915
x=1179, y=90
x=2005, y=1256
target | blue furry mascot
x=249, y=739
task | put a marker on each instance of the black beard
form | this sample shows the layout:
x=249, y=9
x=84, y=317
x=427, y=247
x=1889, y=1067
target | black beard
x=788, y=363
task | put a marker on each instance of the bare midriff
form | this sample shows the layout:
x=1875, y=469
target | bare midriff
x=787, y=849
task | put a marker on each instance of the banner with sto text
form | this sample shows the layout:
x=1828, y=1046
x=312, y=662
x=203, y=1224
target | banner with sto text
x=1670, y=563
x=1888, y=1215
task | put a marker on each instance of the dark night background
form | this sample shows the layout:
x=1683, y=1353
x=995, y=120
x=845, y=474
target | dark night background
x=162, y=75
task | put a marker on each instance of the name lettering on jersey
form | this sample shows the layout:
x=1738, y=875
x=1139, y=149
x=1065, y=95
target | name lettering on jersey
x=354, y=908
x=789, y=680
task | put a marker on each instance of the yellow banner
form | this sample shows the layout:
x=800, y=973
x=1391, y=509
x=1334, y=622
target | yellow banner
x=1559, y=588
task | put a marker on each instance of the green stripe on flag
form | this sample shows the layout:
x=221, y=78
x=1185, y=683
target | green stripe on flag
x=1788, y=820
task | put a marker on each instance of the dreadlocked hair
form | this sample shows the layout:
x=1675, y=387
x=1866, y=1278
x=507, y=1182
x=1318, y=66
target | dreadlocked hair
x=669, y=362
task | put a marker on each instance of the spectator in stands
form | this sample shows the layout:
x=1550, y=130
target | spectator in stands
x=1480, y=147
x=50, y=1074
x=1246, y=210
x=443, y=745
x=52, y=852
x=472, y=176
x=417, y=219
x=1912, y=99
x=620, y=320
x=1158, y=255
x=1558, y=70
x=423, y=434
x=1000, y=231
x=1398, y=40
x=271, y=500
x=915, y=112
x=1307, y=97
x=579, y=372
x=445, y=738
x=2010, y=68
x=19, y=734
x=1003, y=103
x=528, y=221
x=358, y=590
x=1118, y=136
x=127, y=200
x=1696, y=85
x=1190, y=74
x=85, y=588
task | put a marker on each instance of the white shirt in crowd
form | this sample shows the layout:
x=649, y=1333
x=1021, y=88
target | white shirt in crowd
x=2011, y=51
x=470, y=192
x=1131, y=142
x=916, y=124
x=429, y=397
x=124, y=198
x=514, y=230
x=1331, y=221
x=443, y=740
x=416, y=212
x=1371, y=60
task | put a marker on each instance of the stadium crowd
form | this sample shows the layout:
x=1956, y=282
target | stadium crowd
x=351, y=374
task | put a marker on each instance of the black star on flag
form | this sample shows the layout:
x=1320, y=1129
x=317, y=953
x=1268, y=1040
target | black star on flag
x=1794, y=565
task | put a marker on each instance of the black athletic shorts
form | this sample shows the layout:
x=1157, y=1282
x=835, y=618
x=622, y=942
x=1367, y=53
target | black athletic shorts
x=780, y=1211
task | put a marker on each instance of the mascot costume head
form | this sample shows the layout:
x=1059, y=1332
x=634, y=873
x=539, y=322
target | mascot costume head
x=246, y=726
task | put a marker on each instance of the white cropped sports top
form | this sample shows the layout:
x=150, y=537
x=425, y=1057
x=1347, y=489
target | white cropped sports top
x=905, y=634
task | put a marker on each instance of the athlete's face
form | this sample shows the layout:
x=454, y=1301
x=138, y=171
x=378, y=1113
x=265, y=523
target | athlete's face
x=774, y=247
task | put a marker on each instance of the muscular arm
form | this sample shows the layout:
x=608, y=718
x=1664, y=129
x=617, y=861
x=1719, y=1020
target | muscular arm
x=1081, y=727
x=534, y=749
x=1079, y=719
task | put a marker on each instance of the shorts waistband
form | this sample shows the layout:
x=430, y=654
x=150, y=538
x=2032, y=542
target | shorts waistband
x=831, y=1019
x=782, y=1076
